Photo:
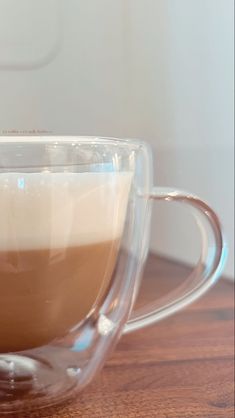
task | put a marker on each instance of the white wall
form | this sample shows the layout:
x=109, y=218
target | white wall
x=182, y=91
x=155, y=69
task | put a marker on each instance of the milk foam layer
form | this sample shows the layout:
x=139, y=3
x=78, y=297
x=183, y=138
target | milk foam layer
x=56, y=210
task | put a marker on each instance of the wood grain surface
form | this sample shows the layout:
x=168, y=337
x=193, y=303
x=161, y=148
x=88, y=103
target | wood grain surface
x=179, y=368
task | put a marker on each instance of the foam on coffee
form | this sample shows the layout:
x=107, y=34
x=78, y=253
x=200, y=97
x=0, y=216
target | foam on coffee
x=49, y=210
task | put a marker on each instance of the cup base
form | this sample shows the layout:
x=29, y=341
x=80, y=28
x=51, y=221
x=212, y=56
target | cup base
x=31, y=382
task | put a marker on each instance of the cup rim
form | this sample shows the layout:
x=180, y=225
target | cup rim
x=65, y=139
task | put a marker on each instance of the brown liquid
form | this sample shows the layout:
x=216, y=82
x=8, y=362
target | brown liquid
x=44, y=293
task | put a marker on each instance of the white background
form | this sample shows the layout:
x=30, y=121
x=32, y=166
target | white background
x=161, y=70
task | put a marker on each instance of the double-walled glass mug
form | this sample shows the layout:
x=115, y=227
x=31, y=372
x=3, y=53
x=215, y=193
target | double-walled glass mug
x=74, y=235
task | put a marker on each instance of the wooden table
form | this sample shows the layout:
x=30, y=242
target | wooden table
x=179, y=368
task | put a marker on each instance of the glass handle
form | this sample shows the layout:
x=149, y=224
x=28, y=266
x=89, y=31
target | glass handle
x=206, y=272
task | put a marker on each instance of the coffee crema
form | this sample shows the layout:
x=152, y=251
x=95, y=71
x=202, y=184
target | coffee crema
x=60, y=234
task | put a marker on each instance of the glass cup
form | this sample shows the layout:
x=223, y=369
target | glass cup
x=74, y=236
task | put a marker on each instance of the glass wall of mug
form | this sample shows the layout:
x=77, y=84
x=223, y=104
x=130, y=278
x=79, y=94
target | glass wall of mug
x=74, y=231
